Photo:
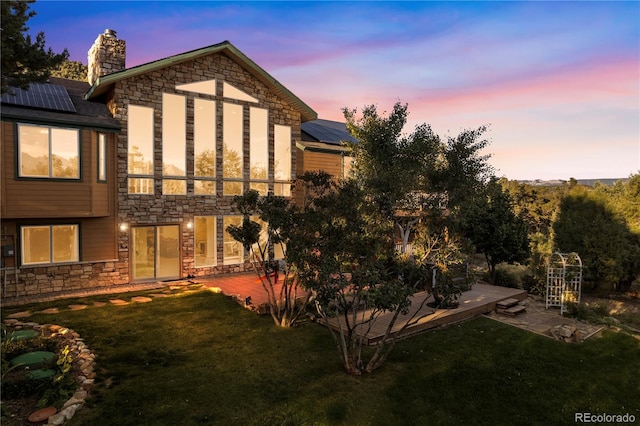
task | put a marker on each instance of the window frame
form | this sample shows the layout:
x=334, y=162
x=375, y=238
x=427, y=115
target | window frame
x=102, y=156
x=196, y=219
x=77, y=249
x=50, y=177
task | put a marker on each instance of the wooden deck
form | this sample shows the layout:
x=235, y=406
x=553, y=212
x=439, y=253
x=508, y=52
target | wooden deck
x=481, y=299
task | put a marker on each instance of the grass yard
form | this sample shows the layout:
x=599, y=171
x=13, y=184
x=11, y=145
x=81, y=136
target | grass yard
x=199, y=358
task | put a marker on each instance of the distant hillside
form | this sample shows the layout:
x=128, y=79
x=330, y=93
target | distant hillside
x=586, y=182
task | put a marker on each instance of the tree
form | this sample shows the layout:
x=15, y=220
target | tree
x=496, y=231
x=286, y=304
x=24, y=61
x=343, y=254
x=588, y=225
x=393, y=168
x=72, y=70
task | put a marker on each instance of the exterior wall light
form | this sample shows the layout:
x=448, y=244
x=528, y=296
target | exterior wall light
x=123, y=227
x=189, y=225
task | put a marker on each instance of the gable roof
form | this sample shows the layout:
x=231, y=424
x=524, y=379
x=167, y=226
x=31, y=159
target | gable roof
x=80, y=113
x=104, y=83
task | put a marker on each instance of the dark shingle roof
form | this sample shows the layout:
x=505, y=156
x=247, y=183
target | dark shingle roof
x=87, y=114
x=326, y=131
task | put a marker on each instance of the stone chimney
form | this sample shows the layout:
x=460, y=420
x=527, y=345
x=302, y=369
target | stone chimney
x=106, y=56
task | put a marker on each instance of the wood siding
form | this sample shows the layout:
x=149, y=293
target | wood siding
x=48, y=198
x=330, y=163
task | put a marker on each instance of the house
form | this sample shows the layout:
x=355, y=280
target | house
x=150, y=158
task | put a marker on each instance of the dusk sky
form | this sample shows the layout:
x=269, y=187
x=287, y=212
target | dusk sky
x=558, y=83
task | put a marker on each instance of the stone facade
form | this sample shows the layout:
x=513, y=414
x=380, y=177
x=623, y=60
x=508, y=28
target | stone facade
x=48, y=279
x=157, y=209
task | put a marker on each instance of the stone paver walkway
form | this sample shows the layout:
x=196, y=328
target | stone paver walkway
x=548, y=322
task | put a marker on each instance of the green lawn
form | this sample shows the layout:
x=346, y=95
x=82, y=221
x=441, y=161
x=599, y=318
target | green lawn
x=200, y=358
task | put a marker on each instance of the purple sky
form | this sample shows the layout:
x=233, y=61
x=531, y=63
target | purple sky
x=557, y=82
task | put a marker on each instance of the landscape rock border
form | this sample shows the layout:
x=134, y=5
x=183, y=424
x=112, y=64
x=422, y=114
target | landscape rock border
x=83, y=364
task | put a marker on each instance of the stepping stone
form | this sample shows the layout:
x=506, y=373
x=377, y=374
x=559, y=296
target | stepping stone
x=50, y=311
x=513, y=311
x=99, y=304
x=42, y=414
x=141, y=299
x=23, y=335
x=33, y=358
x=118, y=302
x=77, y=307
x=159, y=295
x=17, y=315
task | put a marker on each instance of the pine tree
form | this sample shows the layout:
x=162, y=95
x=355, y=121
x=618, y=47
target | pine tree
x=24, y=61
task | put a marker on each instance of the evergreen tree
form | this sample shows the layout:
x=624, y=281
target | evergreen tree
x=24, y=61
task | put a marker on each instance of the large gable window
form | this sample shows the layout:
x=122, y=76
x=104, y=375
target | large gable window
x=259, y=149
x=48, y=152
x=174, y=144
x=282, y=160
x=49, y=244
x=232, y=153
x=140, y=150
x=204, y=146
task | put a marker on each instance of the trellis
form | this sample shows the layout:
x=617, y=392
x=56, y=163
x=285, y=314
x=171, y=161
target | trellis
x=564, y=280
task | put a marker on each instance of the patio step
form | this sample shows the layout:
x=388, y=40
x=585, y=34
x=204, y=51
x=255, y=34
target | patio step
x=507, y=303
x=510, y=307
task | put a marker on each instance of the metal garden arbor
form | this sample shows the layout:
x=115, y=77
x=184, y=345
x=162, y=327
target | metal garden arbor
x=564, y=280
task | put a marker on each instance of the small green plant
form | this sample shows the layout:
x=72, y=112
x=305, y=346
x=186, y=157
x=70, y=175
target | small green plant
x=63, y=384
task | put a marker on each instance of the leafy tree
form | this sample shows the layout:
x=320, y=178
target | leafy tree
x=72, y=70
x=342, y=254
x=490, y=223
x=463, y=170
x=393, y=168
x=286, y=304
x=24, y=61
x=589, y=226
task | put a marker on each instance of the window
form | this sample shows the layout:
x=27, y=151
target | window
x=140, y=149
x=48, y=152
x=174, y=144
x=282, y=160
x=259, y=149
x=232, y=153
x=232, y=249
x=347, y=165
x=204, y=146
x=205, y=240
x=49, y=244
x=102, y=157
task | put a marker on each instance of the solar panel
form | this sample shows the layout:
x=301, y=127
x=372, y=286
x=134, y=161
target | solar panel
x=45, y=96
x=327, y=131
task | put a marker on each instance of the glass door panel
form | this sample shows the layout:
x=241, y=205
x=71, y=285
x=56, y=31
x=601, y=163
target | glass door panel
x=143, y=253
x=168, y=258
